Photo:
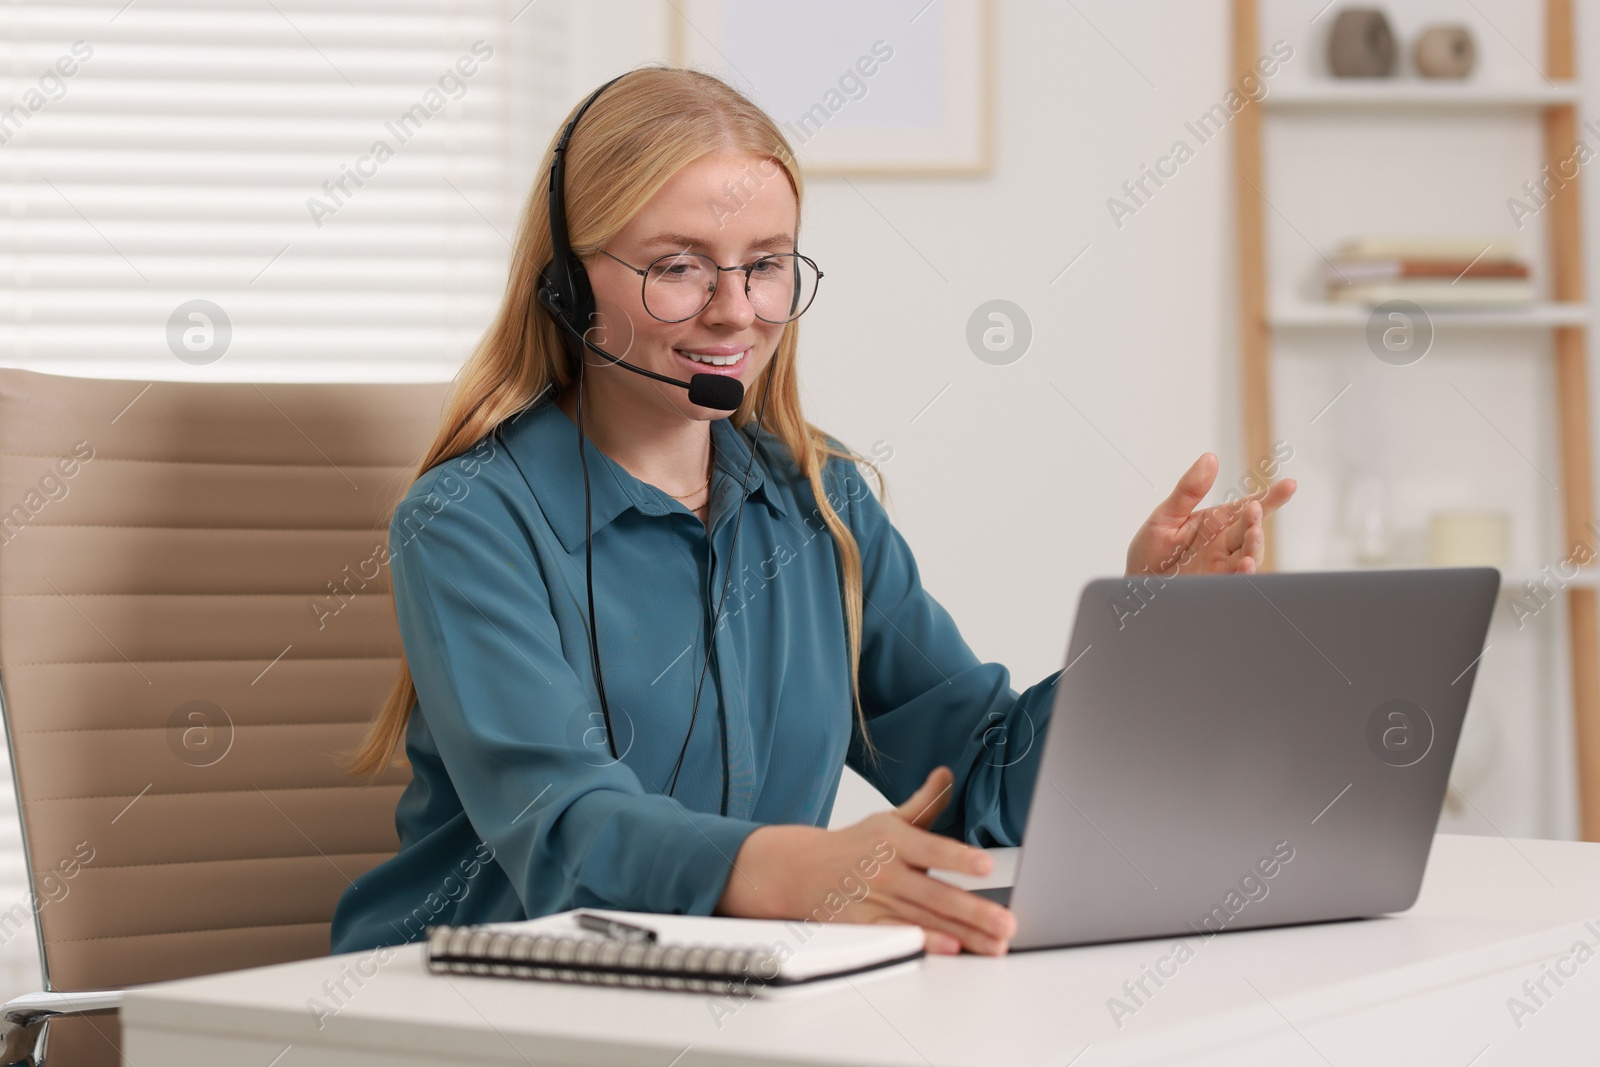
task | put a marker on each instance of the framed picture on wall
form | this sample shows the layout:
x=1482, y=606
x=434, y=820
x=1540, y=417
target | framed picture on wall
x=860, y=88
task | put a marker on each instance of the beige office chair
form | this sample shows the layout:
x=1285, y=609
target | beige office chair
x=192, y=625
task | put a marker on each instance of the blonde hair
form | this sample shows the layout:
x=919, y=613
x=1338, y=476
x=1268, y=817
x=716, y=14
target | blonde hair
x=631, y=141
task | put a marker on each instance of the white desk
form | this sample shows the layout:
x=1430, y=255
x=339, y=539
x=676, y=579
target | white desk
x=1428, y=987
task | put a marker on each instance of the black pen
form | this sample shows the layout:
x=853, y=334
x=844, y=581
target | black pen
x=617, y=931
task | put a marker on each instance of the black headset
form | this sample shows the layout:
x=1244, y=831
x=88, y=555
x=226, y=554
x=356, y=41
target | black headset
x=565, y=293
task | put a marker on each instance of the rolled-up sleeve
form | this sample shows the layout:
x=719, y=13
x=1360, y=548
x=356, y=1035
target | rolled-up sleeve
x=927, y=698
x=507, y=714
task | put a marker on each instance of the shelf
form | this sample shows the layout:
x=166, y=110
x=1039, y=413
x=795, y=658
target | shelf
x=1370, y=93
x=1306, y=315
x=1511, y=582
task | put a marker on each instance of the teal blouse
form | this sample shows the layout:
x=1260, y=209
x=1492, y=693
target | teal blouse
x=516, y=806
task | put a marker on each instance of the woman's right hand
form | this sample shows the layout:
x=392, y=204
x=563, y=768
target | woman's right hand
x=874, y=871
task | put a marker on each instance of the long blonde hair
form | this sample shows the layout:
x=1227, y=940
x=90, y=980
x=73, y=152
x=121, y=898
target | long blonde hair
x=632, y=140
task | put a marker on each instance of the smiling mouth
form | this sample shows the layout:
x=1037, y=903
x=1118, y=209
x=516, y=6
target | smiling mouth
x=707, y=364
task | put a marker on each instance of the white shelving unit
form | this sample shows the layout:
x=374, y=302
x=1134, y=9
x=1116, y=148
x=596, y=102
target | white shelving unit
x=1537, y=108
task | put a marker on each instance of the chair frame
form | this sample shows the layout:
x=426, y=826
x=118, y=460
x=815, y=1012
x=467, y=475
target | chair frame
x=25, y=1020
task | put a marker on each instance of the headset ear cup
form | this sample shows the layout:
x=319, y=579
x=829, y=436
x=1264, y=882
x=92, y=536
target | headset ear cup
x=555, y=303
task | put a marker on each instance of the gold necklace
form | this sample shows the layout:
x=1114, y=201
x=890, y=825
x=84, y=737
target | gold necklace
x=697, y=492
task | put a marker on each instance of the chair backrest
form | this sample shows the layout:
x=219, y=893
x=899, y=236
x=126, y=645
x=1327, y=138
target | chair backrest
x=195, y=620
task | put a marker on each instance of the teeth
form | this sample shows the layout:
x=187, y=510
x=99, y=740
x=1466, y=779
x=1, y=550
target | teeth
x=715, y=361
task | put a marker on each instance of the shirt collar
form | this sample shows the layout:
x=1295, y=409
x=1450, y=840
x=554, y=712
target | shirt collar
x=544, y=443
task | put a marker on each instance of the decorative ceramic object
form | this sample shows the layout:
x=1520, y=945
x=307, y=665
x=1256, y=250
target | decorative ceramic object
x=1446, y=52
x=1469, y=539
x=1361, y=44
x=1368, y=515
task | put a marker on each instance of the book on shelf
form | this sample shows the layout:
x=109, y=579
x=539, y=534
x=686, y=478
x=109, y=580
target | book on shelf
x=690, y=953
x=1458, y=274
x=1343, y=270
x=1413, y=248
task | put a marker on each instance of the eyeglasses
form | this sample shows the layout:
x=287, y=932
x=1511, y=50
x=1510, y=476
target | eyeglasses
x=680, y=285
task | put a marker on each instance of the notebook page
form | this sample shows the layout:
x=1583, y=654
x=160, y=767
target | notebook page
x=807, y=949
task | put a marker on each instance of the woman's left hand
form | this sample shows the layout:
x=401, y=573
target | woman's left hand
x=1222, y=539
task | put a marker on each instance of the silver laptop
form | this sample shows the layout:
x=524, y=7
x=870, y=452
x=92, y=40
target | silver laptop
x=1232, y=751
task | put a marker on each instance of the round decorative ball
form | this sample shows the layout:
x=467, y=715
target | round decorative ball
x=1446, y=52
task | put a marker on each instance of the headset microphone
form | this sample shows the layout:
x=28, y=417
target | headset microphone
x=715, y=391
x=718, y=391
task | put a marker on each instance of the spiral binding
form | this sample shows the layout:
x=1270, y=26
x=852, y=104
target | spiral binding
x=634, y=964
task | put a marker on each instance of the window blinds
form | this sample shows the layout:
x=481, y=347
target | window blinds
x=264, y=188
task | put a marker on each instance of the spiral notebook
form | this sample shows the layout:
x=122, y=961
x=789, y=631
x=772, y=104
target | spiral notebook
x=691, y=953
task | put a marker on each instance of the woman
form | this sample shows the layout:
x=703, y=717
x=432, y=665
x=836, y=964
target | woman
x=631, y=766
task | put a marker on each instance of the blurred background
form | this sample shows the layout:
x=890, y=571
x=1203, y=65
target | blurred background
x=1033, y=294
